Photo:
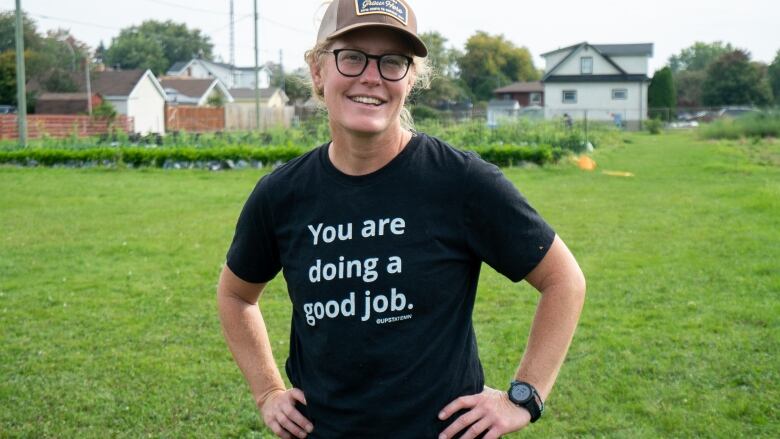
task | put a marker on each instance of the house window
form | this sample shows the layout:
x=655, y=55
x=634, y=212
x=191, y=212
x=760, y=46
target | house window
x=586, y=65
x=536, y=99
x=619, y=94
x=569, y=96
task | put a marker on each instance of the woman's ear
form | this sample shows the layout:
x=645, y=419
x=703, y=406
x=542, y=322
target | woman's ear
x=316, y=71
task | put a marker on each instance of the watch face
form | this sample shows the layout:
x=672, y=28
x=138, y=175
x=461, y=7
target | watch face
x=521, y=392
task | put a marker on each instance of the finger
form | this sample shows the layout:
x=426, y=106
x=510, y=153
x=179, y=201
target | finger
x=298, y=395
x=459, y=404
x=464, y=421
x=494, y=433
x=291, y=427
x=279, y=431
x=299, y=419
x=476, y=429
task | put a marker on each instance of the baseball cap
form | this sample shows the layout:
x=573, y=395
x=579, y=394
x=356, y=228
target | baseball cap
x=343, y=16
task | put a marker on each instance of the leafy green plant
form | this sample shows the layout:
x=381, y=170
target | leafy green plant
x=654, y=126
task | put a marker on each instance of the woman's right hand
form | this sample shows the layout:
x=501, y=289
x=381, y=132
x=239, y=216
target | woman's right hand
x=281, y=416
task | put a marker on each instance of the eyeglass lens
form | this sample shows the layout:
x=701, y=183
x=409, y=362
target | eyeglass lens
x=354, y=62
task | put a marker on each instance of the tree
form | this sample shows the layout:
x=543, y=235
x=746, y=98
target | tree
x=688, y=84
x=445, y=88
x=32, y=39
x=661, y=93
x=774, y=77
x=733, y=80
x=157, y=45
x=689, y=70
x=698, y=56
x=491, y=62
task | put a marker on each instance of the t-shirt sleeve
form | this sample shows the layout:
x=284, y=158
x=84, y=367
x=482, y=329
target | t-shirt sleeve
x=254, y=255
x=503, y=230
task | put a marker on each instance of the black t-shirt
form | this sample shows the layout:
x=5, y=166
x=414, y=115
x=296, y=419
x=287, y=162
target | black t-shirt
x=382, y=272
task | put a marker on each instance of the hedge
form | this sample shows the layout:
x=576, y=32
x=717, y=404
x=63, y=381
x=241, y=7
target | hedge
x=502, y=155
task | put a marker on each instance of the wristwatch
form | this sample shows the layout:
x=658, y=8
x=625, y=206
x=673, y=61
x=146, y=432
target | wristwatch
x=525, y=395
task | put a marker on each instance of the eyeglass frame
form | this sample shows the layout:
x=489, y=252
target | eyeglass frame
x=378, y=58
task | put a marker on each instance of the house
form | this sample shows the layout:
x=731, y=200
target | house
x=230, y=75
x=196, y=92
x=274, y=111
x=525, y=93
x=269, y=97
x=133, y=93
x=65, y=103
x=605, y=82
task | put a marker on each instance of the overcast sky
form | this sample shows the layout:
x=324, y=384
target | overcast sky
x=290, y=25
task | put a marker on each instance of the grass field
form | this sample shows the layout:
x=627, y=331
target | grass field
x=108, y=323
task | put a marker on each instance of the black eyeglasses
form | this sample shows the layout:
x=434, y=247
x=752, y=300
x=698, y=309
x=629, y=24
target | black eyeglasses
x=353, y=62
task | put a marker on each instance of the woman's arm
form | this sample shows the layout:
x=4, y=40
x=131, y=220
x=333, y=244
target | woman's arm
x=247, y=338
x=559, y=278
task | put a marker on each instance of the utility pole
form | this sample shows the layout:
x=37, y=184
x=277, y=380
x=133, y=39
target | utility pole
x=232, y=35
x=89, y=83
x=21, y=97
x=281, y=70
x=257, y=71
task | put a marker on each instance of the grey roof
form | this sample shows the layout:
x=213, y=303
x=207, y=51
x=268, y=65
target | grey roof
x=195, y=88
x=177, y=67
x=625, y=49
x=612, y=49
x=521, y=87
x=249, y=93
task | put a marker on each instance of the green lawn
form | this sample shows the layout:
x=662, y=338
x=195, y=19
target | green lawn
x=108, y=324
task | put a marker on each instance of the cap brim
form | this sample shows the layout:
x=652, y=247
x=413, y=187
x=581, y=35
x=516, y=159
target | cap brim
x=418, y=47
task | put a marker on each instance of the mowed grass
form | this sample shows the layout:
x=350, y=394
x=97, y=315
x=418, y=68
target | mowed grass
x=108, y=323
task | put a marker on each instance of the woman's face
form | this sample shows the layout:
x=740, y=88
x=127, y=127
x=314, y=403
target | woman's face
x=366, y=105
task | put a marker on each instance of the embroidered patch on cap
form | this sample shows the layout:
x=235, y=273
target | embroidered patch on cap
x=393, y=8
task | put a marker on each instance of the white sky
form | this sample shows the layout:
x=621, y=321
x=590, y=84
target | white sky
x=290, y=25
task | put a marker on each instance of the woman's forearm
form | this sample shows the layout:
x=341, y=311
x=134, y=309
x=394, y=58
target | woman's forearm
x=247, y=338
x=551, y=333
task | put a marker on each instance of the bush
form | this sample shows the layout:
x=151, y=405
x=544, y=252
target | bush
x=500, y=155
x=654, y=126
x=758, y=125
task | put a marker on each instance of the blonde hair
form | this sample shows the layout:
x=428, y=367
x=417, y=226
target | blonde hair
x=421, y=72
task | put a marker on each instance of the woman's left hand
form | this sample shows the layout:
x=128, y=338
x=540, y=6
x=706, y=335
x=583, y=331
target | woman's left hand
x=490, y=412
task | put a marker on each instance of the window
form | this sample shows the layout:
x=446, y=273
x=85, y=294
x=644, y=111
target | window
x=619, y=94
x=536, y=99
x=569, y=96
x=586, y=65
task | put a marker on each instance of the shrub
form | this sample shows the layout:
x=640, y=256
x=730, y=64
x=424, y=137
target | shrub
x=758, y=125
x=654, y=126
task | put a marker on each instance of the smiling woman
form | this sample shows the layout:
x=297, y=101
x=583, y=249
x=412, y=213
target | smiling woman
x=382, y=342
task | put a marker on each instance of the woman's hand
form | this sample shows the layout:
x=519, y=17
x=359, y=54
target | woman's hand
x=490, y=412
x=281, y=416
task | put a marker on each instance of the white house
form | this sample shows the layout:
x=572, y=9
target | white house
x=135, y=93
x=605, y=82
x=230, y=75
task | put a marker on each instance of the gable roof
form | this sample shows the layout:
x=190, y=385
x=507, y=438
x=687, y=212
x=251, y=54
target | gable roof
x=521, y=87
x=191, y=87
x=178, y=67
x=612, y=49
x=577, y=47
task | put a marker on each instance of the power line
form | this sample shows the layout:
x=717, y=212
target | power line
x=67, y=20
x=181, y=6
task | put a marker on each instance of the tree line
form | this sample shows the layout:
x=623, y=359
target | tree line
x=714, y=75
x=704, y=74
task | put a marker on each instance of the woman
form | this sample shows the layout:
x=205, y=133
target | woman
x=380, y=235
